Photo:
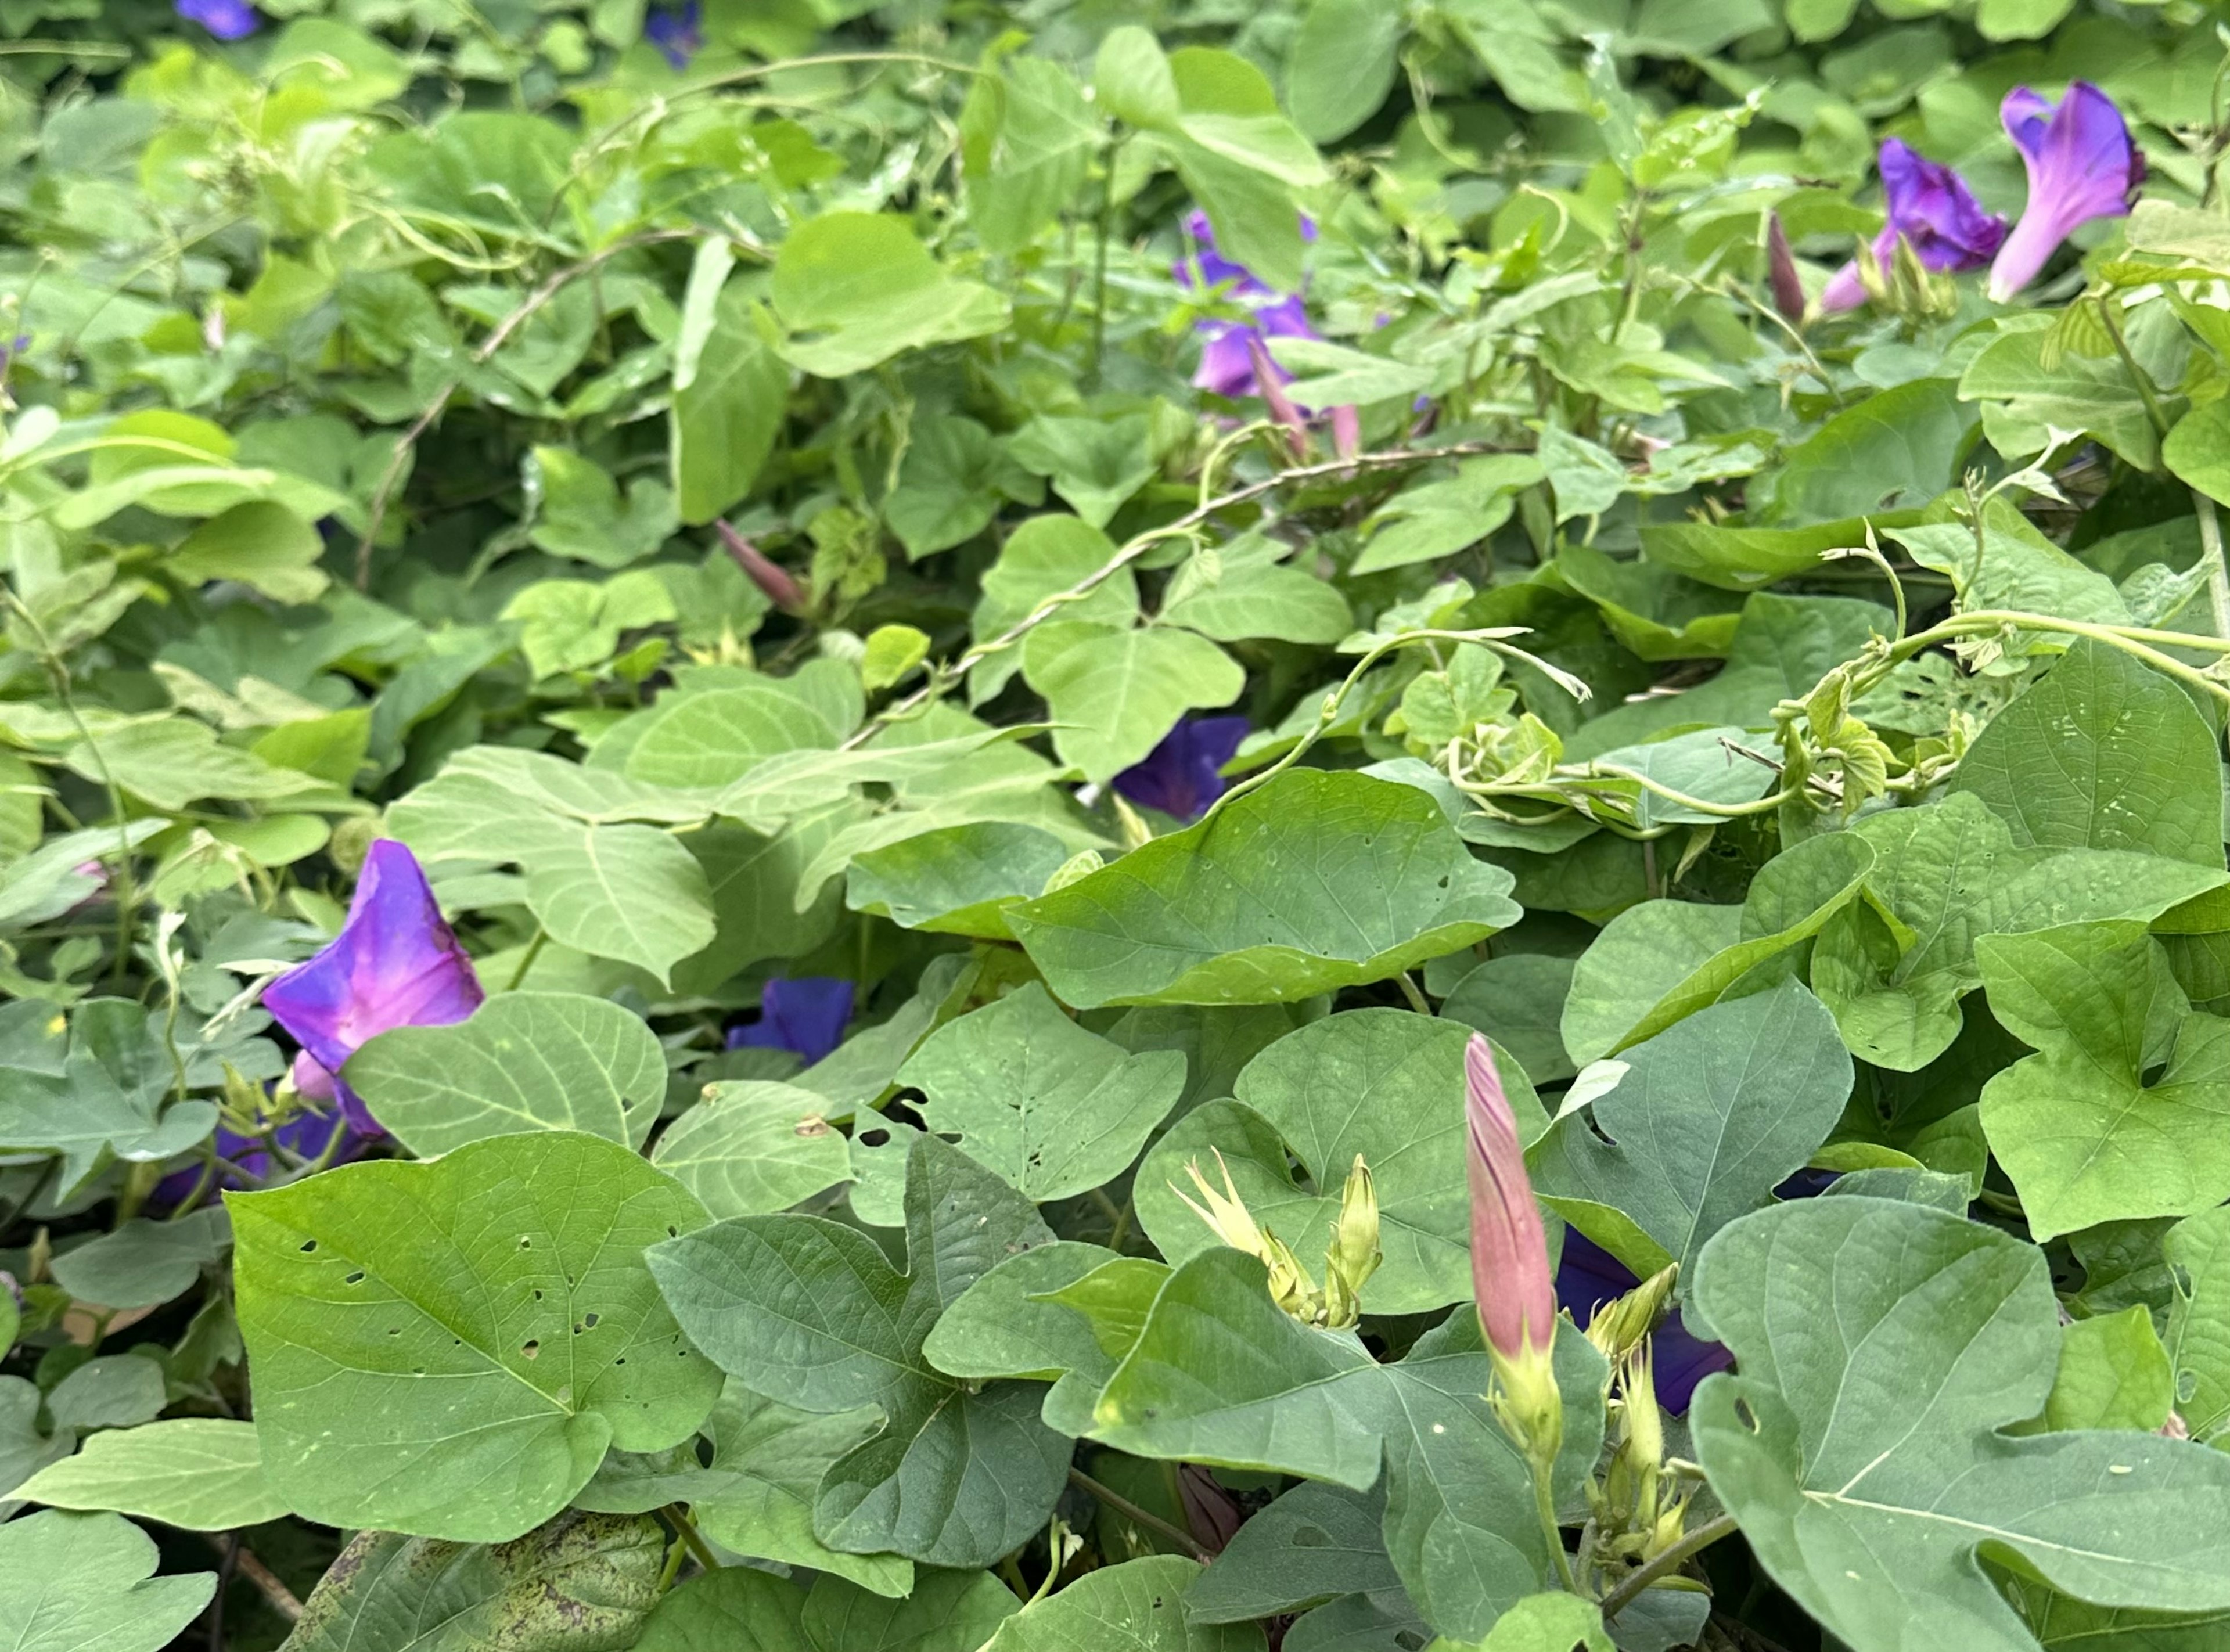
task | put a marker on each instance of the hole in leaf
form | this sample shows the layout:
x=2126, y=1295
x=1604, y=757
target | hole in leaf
x=531, y=1348
x=356, y=1278
x=672, y=1232
x=1747, y=1416
x=589, y=1320
x=875, y=1138
x=308, y=1245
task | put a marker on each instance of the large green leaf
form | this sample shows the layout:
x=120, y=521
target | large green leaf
x=1882, y=1348
x=2196, y=1250
x=1138, y=1606
x=856, y=288
x=86, y=1583
x=1026, y=136
x=809, y=1313
x=203, y=1473
x=957, y=881
x=523, y=1061
x=1342, y=65
x=1898, y=449
x=2085, y=1127
x=739, y=1610
x=2105, y=753
x=750, y=1147
x=580, y=1584
x=1056, y=1110
x=447, y=1349
x=1710, y=1115
x=1112, y=693
x=1313, y=1543
x=1382, y=1085
x=1257, y=904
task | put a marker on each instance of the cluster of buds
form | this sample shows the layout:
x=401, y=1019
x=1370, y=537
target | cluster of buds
x=1350, y=1258
x=1637, y=1512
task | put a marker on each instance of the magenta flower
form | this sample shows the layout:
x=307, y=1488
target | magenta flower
x=676, y=34
x=806, y=1017
x=1930, y=206
x=395, y=963
x=2081, y=164
x=1180, y=776
x=1509, y=1245
x=226, y=19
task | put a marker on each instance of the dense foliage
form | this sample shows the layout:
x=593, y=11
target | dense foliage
x=761, y=769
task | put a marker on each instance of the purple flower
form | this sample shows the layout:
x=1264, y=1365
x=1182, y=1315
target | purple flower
x=1228, y=356
x=676, y=34
x=1179, y=776
x=806, y=1017
x=1589, y=1275
x=2081, y=165
x=226, y=19
x=1930, y=206
x=395, y=963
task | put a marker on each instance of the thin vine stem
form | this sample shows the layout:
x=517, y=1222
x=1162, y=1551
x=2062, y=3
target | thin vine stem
x=1672, y=1561
x=1130, y=1511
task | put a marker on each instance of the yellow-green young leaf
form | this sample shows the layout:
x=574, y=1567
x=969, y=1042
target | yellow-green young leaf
x=1112, y=693
x=260, y=543
x=203, y=1473
x=2113, y=1373
x=893, y=651
x=856, y=288
x=1138, y=1606
x=2198, y=449
x=448, y=1349
x=723, y=425
x=1551, y=1622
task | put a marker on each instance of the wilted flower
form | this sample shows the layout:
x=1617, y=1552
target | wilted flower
x=2081, y=164
x=806, y=1017
x=226, y=19
x=1179, y=776
x=1931, y=207
x=772, y=579
x=395, y=963
x=676, y=33
x=1781, y=271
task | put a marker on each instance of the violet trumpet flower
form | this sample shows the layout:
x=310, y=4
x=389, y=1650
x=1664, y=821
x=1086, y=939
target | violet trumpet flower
x=2082, y=164
x=677, y=33
x=1587, y=1276
x=1931, y=207
x=806, y=1017
x=395, y=963
x=226, y=19
x=1180, y=776
x=1228, y=362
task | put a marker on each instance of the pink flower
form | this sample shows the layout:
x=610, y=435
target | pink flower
x=1509, y=1246
x=2081, y=165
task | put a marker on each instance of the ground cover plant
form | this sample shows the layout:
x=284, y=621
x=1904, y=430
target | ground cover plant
x=1156, y=825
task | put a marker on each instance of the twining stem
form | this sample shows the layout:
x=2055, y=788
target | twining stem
x=281, y=1599
x=1671, y=1561
x=699, y=1549
x=526, y=959
x=1130, y=1511
x=2218, y=576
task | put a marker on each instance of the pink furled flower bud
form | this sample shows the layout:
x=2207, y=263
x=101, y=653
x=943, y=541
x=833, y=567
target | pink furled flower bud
x=781, y=588
x=1780, y=269
x=1281, y=406
x=1509, y=1246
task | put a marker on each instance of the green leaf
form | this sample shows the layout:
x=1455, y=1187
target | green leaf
x=2196, y=1254
x=1342, y=65
x=2017, y=568
x=856, y=288
x=582, y=1581
x=115, y=1391
x=954, y=478
x=523, y=1061
x=1432, y=519
x=1028, y=1093
x=712, y=738
x=2093, y=395
x=1896, y=450
x=2106, y=754
x=1519, y=1001
x=1132, y=78
x=1662, y=960
x=260, y=544
x=1254, y=905
x=1113, y=693
x=1027, y=138
x=1697, y=764
x=1935, y=1318
x=1709, y=1117
x=86, y=1583
x=723, y=425
x=144, y=1264
x=1744, y=558
x=739, y=1610
x=2195, y=449
x=1138, y=1606
x=203, y=1474
x=1095, y=464
x=173, y=760
x=809, y=1313
x=99, y=1096
x=1658, y=614
x=1314, y=1543
x=958, y=881
x=1043, y=556
x=449, y=1347
x=1064, y=1312
x=582, y=516
x=2084, y=1128
x=2113, y=1374
x=751, y=1146
x=1382, y=1084
x=1240, y=590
